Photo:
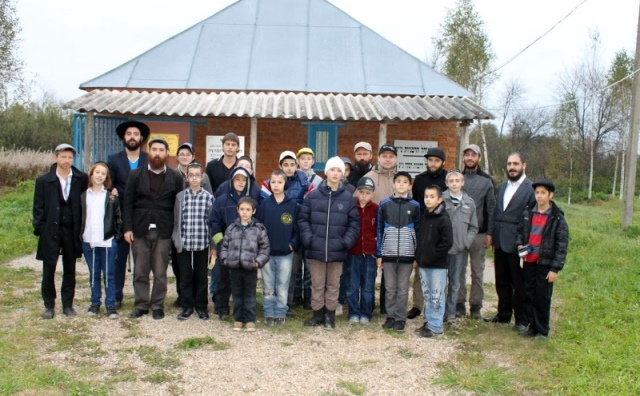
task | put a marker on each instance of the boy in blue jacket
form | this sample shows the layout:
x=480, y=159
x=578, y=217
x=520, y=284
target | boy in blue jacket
x=329, y=226
x=279, y=214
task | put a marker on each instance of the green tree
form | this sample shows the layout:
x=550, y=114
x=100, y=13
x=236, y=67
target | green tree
x=12, y=83
x=465, y=51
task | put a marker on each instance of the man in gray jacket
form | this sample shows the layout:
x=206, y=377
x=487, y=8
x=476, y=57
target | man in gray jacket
x=479, y=186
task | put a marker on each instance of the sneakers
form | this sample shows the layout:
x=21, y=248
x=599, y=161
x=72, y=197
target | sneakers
x=339, y=310
x=112, y=313
x=451, y=321
x=413, y=313
x=530, y=332
x=419, y=329
x=269, y=321
x=93, y=310
x=389, y=323
x=138, y=313
x=475, y=312
x=425, y=332
x=250, y=327
x=364, y=321
x=48, y=313
x=354, y=320
x=279, y=321
x=237, y=326
x=461, y=310
x=69, y=311
x=398, y=325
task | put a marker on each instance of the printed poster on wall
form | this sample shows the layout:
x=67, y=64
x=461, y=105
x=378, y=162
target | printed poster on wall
x=173, y=139
x=411, y=155
x=214, y=147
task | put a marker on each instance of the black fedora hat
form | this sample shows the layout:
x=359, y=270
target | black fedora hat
x=122, y=128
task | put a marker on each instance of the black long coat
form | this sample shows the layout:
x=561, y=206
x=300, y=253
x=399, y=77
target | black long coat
x=46, y=212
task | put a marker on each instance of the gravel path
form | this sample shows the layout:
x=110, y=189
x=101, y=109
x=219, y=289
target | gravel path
x=286, y=360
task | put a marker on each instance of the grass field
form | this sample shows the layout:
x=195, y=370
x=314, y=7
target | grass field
x=593, y=348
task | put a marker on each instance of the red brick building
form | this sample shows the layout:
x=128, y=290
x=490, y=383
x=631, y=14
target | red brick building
x=284, y=74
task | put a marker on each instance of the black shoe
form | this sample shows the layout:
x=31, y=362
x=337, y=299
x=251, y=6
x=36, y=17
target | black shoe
x=426, y=332
x=413, y=313
x=93, y=310
x=48, y=313
x=389, y=323
x=279, y=321
x=475, y=312
x=118, y=304
x=138, y=313
x=297, y=302
x=269, y=321
x=461, y=310
x=69, y=311
x=419, y=329
x=329, y=320
x=307, y=304
x=398, y=325
x=383, y=311
x=112, y=313
x=158, y=314
x=316, y=320
x=530, y=332
x=184, y=315
x=224, y=315
x=177, y=303
x=519, y=328
x=203, y=314
x=496, y=319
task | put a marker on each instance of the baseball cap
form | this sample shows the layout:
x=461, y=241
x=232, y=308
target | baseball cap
x=436, y=152
x=366, y=183
x=304, y=150
x=64, y=147
x=287, y=154
x=473, y=147
x=185, y=145
x=363, y=145
x=346, y=160
x=388, y=147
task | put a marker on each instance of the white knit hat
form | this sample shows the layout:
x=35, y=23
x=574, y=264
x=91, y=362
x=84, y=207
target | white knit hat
x=334, y=162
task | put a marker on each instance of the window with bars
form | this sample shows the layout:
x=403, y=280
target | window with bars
x=322, y=138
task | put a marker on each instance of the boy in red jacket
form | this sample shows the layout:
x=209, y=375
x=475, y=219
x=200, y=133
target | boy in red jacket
x=362, y=261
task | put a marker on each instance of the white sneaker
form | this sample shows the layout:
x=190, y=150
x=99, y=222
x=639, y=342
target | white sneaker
x=354, y=320
x=364, y=321
x=339, y=310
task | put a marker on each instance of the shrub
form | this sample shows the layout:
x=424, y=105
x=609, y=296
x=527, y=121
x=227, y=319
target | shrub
x=21, y=165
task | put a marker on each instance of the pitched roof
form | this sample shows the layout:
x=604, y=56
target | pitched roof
x=280, y=45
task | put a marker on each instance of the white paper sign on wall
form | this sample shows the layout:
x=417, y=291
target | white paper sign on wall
x=214, y=147
x=411, y=155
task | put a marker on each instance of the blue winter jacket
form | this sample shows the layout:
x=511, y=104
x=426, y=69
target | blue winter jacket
x=297, y=187
x=281, y=221
x=329, y=223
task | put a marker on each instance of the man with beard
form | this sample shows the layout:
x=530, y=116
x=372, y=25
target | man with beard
x=362, y=154
x=133, y=135
x=218, y=170
x=148, y=223
x=479, y=186
x=514, y=196
x=435, y=175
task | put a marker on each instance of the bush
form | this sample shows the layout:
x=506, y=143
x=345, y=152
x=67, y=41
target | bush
x=21, y=165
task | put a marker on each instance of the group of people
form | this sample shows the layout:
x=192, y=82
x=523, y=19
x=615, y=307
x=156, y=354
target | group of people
x=318, y=242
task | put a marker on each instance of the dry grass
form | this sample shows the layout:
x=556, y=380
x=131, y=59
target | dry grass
x=18, y=165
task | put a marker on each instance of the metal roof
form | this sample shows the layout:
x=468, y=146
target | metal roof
x=280, y=45
x=304, y=106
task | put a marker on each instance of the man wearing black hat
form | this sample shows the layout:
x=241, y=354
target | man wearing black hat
x=219, y=169
x=57, y=221
x=435, y=175
x=147, y=222
x=133, y=135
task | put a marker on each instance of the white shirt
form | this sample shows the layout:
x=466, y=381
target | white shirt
x=65, y=184
x=511, y=189
x=94, y=222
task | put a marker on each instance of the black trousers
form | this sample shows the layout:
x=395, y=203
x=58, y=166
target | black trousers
x=243, y=288
x=223, y=289
x=193, y=279
x=509, y=287
x=67, y=292
x=537, y=293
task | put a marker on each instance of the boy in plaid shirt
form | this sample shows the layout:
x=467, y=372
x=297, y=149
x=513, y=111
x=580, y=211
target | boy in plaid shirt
x=191, y=236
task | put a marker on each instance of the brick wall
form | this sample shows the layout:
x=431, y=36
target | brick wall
x=275, y=136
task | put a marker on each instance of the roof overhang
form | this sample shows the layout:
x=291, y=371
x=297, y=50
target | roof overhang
x=284, y=105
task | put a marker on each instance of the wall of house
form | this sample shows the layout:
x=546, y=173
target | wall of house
x=275, y=136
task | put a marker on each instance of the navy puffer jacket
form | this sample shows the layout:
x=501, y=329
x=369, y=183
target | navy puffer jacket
x=329, y=223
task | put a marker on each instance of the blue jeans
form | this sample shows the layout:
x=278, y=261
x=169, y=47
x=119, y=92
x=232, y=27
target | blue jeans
x=433, y=281
x=362, y=285
x=457, y=263
x=275, y=285
x=102, y=263
x=345, y=281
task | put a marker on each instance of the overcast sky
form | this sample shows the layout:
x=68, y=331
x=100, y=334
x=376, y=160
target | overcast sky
x=67, y=42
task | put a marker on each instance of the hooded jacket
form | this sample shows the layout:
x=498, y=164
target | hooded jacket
x=463, y=221
x=297, y=187
x=383, y=181
x=555, y=237
x=281, y=221
x=243, y=247
x=329, y=223
x=398, y=218
x=435, y=238
x=254, y=190
x=366, y=242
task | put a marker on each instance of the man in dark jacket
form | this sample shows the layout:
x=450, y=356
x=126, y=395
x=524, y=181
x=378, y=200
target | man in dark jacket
x=435, y=175
x=218, y=170
x=57, y=218
x=133, y=135
x=514, y=196
x=329, y=225
x=362, y=152
x=148, y=223
x=479, y=185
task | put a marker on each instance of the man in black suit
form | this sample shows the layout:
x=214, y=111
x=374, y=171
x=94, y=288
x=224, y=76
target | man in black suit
x=147, y=222
x=57, y=222
x=133, y=135
x=514, y=195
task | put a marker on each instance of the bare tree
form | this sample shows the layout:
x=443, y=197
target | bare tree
x=512, y=96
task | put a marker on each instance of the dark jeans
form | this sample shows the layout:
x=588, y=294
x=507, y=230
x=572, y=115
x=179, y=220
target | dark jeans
x=345, y=281
x=383, y=295
x=243, y=289
x=362, y=285
x=193, y=267
x=121, y=267
x=48, y=288
x=301, y=285
x=222, y=289
x=509, y=286
x=175, y=267
x=538, y=293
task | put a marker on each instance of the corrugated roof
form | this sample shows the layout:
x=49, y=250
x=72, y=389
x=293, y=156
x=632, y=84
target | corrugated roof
x=280, y=45
x=303, y=106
